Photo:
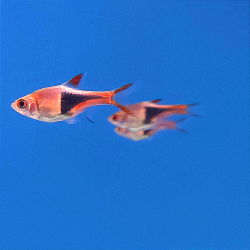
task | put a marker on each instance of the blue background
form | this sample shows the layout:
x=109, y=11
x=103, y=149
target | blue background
x=83, y=187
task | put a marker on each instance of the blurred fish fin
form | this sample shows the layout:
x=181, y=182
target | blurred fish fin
x=156, y=101
x=192, y=114
x=182, y=130
x=72, y=120
x=193, y=104
x=181, y=120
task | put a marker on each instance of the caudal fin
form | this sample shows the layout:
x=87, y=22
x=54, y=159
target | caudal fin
x=122, y=88
x=120, y=106
x=181, y=120
x=193, y=104
x=180, y=129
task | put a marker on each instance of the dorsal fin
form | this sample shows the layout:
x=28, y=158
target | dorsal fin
x=74, y=82
x=155, y=101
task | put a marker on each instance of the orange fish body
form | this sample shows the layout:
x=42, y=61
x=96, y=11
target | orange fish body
x=146, y=114
x=144, y=134
x=64, y=102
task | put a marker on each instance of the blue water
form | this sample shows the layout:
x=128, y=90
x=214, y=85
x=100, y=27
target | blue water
x=83, y=187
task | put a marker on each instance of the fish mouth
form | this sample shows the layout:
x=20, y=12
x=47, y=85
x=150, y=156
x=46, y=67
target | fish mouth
x=13, y=105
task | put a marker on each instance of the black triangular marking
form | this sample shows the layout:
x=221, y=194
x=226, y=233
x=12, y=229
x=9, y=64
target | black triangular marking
x=69, y=101
x=151, y=112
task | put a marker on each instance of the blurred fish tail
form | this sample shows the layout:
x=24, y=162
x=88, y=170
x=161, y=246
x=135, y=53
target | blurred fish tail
x=193, y=104
x=190, y=105
x=181, y=120
x=182, y=130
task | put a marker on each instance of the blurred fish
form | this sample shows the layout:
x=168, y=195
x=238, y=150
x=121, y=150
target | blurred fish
x=146, y=114
x=62, y=102
x=144, y=134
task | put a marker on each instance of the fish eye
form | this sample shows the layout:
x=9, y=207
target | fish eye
x=115, y=117
x=21, y=103
x=147, y=132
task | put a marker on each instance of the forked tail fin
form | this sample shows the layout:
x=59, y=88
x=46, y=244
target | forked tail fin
x=120, y=106
x=122, y=88
x=171, y=125
x=180, y=129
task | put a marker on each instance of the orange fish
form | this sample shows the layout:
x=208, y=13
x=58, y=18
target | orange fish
x=144, y=134
x=146, y=114
x=62, y=102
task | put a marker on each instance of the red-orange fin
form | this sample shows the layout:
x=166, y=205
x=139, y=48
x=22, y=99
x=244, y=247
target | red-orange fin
x=156, y=101
x=122, y=88
x=74, y=82
x=120, y=106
